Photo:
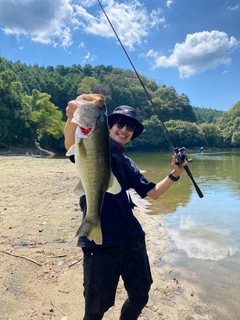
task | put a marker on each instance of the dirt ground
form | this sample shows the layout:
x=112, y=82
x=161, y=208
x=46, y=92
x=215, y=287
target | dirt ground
x=40, y=265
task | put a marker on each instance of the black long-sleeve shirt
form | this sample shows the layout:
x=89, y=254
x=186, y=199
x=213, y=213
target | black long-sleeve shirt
x=118, y=223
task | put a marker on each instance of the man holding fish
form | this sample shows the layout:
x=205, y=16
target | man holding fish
x=111, y=238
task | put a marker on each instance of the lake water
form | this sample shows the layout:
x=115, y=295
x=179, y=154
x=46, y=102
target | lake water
x=204, y=234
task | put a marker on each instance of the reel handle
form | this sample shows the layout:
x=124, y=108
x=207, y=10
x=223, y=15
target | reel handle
x=181, y=156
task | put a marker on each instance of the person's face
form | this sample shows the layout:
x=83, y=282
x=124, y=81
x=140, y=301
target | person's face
x=122, y=131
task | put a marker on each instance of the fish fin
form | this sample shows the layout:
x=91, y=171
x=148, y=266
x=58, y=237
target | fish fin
x=91, y=229
x=113, y=187
x=81, y=148
x=78, y=190
x=71, y=151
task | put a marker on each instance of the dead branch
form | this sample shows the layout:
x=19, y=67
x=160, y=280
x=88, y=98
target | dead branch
x=57, y=308
x=75, y=262
x=54, y=193
x=14, y=255
x=60, y=256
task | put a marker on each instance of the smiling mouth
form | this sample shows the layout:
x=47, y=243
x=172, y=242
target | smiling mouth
x=122, y=135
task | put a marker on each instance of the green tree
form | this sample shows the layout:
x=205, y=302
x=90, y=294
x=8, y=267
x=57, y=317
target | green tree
x=211, y=134
x=229, y=125
x=43, y=117
x=153, y=136
x=10, y=106
x=185, y=134
x=170, y=106
x=87, y=85
x=19, y=116
x=236, y=133
x=207, y=115
x=88, y=70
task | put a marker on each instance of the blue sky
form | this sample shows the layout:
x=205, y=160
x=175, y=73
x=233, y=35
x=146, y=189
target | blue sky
x=192, y=45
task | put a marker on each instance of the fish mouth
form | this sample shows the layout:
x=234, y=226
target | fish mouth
x=85, y=131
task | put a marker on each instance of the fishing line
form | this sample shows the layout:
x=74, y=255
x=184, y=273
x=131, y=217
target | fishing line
x=179, y=153
x=169, y=138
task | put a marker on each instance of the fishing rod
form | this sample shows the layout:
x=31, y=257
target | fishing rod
x=179, y=152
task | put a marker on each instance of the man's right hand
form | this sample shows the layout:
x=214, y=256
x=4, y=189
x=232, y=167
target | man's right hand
x=71, y=108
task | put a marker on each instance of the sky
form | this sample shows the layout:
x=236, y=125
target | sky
x=192, y=45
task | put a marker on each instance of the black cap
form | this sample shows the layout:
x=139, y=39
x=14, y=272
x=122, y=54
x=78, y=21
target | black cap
x=129, y=113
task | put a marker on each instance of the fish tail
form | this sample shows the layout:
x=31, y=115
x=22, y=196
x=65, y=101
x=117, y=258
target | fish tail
x=91, y=229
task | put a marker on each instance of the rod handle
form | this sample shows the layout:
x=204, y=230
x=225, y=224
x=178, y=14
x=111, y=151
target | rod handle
x=199, y=192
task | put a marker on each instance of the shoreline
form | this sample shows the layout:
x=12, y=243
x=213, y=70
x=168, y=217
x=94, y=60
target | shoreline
x=39, y=152
x=38, y=211
x=21, y=152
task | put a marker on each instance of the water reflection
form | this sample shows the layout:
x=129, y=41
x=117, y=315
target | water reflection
x=204, y=234
x=202, y=242
x=208, y=228
x=156, y=166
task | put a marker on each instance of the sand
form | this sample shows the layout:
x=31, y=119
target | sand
x=40, y=265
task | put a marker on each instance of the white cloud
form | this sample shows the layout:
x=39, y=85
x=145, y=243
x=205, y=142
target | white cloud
x=53, y=22
x=225, y=71
x=81, y=45
x=199, y=241
x=41, y=20
x=130, y=20
x=87, y=3
x=169, y=3
x=88, y=58
x=237, y=7
x=201, y=51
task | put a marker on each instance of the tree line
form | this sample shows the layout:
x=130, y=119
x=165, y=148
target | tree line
x=33, y=101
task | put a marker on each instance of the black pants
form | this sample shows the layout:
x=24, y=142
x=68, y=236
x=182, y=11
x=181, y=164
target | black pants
x=131, y=310
x=102, y=268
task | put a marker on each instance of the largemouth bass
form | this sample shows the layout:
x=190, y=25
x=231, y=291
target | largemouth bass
x=92, y=159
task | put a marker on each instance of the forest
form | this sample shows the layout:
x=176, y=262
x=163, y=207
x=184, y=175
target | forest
x=33, y=100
